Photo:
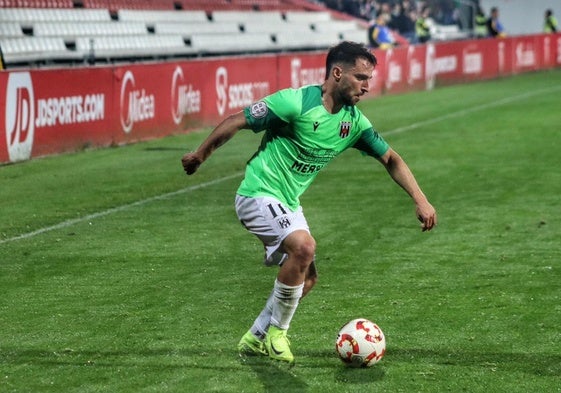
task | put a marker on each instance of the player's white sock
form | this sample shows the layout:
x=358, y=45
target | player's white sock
x=285, y=301
x=261, y=324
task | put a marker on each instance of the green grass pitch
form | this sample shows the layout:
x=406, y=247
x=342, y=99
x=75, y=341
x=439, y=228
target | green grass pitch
x=118, y=273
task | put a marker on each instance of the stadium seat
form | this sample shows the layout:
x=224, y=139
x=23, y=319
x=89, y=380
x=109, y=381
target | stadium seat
x=213, y=5
x=88, y=29
x=28, y=15
x=245, y=16
x=161, y=16
x=447, y=33
x=360, y=36
x=115, y=5
x=308, y=16
x=264, y=27
x=188, y=29
x=36, y=49
x=231, y=43
x=291, y=40
x=10, y=29
x=132, y=46
x=43, y=4
x=335, y=25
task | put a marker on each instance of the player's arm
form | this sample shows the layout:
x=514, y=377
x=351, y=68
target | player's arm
x=402, y=175
x=220, y=135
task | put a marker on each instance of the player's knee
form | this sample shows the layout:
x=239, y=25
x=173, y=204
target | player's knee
x=305, y=251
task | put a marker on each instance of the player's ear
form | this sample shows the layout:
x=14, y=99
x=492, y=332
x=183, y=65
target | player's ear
x=337, y=72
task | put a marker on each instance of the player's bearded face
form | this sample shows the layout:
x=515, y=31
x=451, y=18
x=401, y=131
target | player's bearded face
x=354, y=82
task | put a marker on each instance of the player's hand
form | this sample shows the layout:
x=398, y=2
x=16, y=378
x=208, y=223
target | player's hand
x=426, y=214
x=191, y=162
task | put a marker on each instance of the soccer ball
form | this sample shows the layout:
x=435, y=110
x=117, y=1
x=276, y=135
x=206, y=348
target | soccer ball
x=360, y=343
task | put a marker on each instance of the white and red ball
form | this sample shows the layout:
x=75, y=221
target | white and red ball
x=360, y=343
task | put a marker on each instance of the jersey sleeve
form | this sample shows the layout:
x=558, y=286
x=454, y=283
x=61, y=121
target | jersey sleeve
x=371, y=143
x=274, y=111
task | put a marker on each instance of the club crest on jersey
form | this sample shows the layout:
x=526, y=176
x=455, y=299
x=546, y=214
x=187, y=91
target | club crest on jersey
x=259, y=110
x=344, y=129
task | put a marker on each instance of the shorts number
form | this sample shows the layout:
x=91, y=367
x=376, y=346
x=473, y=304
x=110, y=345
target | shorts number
x=274, y=212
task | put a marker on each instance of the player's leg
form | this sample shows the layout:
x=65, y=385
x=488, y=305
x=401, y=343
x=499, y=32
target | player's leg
x=311, y=278
x=274, y=223
x=300, y=247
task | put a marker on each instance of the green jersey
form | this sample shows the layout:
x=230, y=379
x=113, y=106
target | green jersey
x=300, y=139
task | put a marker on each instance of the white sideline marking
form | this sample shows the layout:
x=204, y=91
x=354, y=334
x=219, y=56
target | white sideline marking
x=398, y=130
x=117, y=209
x=471, y=110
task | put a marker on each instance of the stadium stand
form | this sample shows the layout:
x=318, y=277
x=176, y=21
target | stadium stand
x=45, y=32
x=448, y=33
x=132, y=46
x=31, y=49
x=127, y=15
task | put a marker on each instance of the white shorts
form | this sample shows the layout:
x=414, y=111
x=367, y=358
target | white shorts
x=271, y=221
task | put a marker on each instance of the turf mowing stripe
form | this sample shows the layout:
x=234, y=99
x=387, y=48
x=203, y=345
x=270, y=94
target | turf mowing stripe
x=398, y=130
x=117, y=209
x=471, y=110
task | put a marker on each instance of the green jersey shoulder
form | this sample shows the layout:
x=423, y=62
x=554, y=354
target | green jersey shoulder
x=300, y=138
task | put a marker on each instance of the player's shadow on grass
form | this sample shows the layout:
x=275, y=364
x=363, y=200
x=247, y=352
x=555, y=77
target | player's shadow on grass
x=276, y=377
x=349, y=375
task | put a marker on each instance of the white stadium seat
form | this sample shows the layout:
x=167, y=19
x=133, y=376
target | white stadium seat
x=310, y=17
x=10, y=29
x=247, y=16
x=28, y=15
x=133, y=46
x=32, y=49
x=264, y=27
x=161, y=16
x=229, y=43
x=360, y=36
x=75, y=29
x=297, y=40
x=335, y=25
x=187, y=29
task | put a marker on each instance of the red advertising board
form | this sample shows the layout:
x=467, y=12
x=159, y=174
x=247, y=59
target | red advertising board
x=403, y=69
x=300, y=69
x=49, y=111
x=58, y=110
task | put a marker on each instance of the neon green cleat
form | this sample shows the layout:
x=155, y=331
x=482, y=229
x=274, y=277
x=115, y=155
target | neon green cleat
x=278, y=345
x=250, y=345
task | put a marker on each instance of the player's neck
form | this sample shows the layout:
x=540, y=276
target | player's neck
x=329, y=101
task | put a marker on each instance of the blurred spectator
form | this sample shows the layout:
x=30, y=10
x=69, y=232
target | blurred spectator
x=494, y=26
x=402, y=22
x=379, y=35
x=550, y=22
x=422, y=27
x=480, y=28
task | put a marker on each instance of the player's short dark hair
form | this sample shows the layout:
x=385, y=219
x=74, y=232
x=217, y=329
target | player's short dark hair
x=347, y=52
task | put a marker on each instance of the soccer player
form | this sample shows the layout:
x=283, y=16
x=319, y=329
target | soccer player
x=305, y=129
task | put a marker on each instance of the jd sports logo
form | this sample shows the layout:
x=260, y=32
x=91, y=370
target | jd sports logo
x=20, y=112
